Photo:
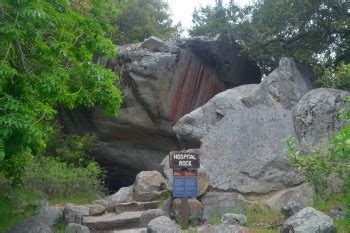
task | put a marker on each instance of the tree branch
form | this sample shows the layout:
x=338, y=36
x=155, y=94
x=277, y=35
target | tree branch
x=287, y=41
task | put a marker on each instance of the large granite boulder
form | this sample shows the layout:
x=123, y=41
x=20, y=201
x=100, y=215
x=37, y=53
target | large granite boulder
x=246, y=151
x=240, y=132
x=161, y=81
x=192, y=127
x=316, y=116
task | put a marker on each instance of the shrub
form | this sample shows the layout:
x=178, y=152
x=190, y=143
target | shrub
x=59, y=180
x=72, y=149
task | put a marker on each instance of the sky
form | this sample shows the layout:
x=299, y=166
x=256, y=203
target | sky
x=182, y=9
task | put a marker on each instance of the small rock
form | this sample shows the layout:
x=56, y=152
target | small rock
x=224, y=228
x=291, y=208
x=234, y=219
x=76, y=228
x=75, y=214
x=309, y=220
x=162, y=224
x=96, y=209
x=195, y=210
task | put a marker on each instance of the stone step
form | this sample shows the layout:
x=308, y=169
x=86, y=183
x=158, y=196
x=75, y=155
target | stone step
x=135, y=206
x=126, y=220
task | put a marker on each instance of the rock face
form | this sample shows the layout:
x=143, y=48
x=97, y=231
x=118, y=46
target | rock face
x=192, y=127
x=160, y=81
x=240, y=132
x=316, y=116
x=252, y=160
x=309, y=220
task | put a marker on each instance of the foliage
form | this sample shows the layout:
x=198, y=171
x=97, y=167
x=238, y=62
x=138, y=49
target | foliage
x=141, y=19
x=340, y=79
x=11, y=214
x=47, y=53
x=324, y=205
x=14, y=205
x=323, y=162
x=58, y=180
x=215, y=218
x=72, y=149
x=47, y=178
x=61, y=225
x=313, y=31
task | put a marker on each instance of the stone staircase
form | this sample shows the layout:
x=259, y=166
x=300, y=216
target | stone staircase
x=128, y=210
x=126, y=217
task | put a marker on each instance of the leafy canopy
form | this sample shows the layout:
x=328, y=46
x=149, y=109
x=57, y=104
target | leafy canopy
x=47, y=54
x=316, y=32
x=140, y=19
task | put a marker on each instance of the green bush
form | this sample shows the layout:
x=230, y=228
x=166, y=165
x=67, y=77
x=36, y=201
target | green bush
x=339, y=79
x=72, y=149
x=58, y=180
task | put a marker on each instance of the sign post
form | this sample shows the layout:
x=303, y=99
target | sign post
x=184, y=213
x=185, y=184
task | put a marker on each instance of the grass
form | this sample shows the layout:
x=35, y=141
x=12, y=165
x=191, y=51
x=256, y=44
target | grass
x=215, y=219
x=263, y=220
x=17, y=203
x=13, y=208
x=60, y=227
x=342, y=225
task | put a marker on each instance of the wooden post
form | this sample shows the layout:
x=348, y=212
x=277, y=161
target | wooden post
x=184, y=213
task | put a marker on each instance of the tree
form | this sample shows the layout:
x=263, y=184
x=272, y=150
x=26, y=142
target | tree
x=47, y=51
x=313, y=31
x=141, y=19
